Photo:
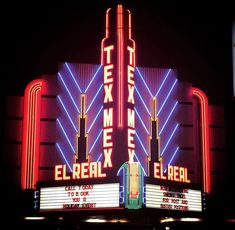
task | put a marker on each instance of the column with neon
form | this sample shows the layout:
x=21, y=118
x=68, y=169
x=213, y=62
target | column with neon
x=118, y=59
x=204, y=133
x=31, y=134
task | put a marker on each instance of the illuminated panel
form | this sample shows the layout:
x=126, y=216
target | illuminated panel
x=31, y=134
x=204, y=128
x=164, y=197
x=134, y=181
x=163, y=84
x=89, y=79
x=79, y=197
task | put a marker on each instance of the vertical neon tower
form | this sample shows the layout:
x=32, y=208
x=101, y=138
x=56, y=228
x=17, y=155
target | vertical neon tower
x=118, y=60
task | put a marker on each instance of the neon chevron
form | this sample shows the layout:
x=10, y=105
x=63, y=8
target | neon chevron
x=171, y=112
x=97, y=115
x=67, y=90
x=168, y=95
x=140, y=165
x=93, y=78
x=141, y=77
x=141, y=143
x=169, y=139
x=91, y=103
x=174, y=154
x=63, y=155
x=65, y=134
x=79, y=88
x=145, y=106
x=163, y=82
x=138, y=115
x=94, y=143
x=63, y=106
x=100, y=156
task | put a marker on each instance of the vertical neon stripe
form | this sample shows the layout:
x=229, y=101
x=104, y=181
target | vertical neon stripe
x=130, y=35
x=31, y=134
x=120, y=64
x=204, y=132
x=106, y=35
x=129, y=24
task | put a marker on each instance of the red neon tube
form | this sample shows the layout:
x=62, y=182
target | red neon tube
x=120, y=64
x=204, y=133
x=31, y=134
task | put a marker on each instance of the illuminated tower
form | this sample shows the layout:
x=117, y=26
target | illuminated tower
x=82, y=149
x=154, y=140
x=118, y=60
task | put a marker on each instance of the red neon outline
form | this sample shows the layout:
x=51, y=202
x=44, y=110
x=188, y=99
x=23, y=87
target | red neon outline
x=130, y=35
x=106, y=35
x=131, y=56
x=120, y=64
x=31, y=134
x=204, y=121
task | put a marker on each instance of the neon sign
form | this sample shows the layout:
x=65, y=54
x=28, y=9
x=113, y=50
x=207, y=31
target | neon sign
x=174, y=173
x=130, y=111
x=119, y=121
x=80, y=171
x=108, y=109
x=132, y=127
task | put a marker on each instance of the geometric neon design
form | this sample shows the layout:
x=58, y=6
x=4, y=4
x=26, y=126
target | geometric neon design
x=88, y=79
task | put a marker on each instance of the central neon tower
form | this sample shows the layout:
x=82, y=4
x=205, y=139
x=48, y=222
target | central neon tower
x=118, y=59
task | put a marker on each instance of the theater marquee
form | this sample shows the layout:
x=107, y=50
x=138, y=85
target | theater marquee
x=118, y=134
x=79, y=197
